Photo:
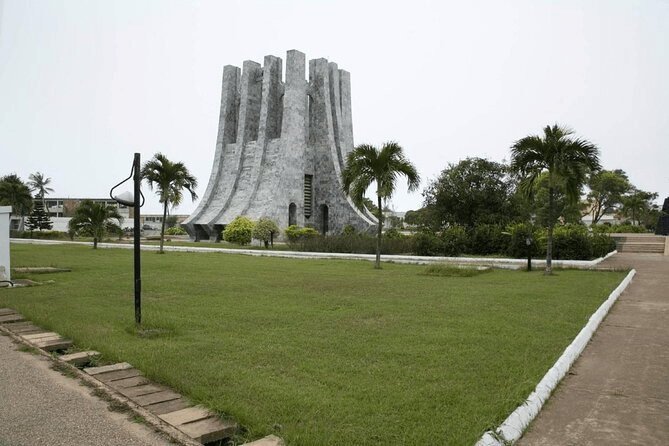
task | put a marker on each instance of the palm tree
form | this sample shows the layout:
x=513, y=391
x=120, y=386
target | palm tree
x=366, y=165
x=14, y=193
x=95, y=220
x=38, y=183
x=169, y=179
x=566, y=160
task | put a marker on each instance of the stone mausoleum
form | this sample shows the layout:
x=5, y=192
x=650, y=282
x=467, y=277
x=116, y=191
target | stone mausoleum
x=281, y=147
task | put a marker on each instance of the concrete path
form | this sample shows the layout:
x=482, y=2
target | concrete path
x=39, y=406
x=617, y=392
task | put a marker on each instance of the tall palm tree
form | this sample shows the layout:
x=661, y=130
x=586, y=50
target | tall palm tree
x=169, y=179
x=366, y=165
x=95, y=220
x=566, y=160
x=38, y=183
x=14, y=193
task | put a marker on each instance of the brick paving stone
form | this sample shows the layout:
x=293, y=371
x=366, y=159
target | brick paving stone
x=107, y=368
x=187, y=415
x=127, y=382
x=167, y=406
x=158, y=397
x=9, y=318
x=210, y=429
x=110, y=377
x=146, y=389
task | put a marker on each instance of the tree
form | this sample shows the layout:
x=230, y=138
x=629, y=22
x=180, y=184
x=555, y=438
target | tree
x=566, y=160
x=39, y=218
x=169, y=180
x=39, y=184
x=366, y=165
x=95, y=220
x=564, y=210
x=638, y=204
x=607, y=189
x=264, y=230
x=472, y=192
x=14, y=193
x=239, y=231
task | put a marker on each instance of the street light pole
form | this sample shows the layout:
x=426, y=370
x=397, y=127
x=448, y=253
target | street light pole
x=137, y=178
x=133, y=202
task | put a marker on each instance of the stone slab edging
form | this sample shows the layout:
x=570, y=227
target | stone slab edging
x=417, y=260
x=513, y=427
x=152, y=420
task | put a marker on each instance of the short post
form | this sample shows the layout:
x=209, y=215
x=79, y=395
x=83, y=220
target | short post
x=528, y=242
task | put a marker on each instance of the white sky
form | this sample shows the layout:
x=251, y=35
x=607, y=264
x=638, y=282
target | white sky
x=86, y=83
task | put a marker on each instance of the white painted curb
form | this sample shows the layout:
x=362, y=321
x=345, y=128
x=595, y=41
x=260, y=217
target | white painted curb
x=513, y=427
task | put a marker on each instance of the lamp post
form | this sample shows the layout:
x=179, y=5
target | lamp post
x=133, y=202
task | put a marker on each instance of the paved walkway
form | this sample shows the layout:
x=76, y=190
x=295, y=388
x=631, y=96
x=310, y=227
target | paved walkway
x=617, y=392
x=39, y=406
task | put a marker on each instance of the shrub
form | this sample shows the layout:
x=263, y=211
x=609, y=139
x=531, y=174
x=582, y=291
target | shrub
x=517, y=245
x=487, y=239
x=175, y=230
x=454, y=240
x=571, y=242
x=349, y=230
x=391, y=234
x=427, y=243
x=264, y=231
x=239, y=231
x=602, y=244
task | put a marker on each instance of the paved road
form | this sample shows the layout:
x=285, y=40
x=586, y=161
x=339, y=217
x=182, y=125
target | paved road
x=617, y=392
x=39, y=406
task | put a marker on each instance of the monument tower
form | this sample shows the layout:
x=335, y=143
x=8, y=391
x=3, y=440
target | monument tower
x=280, y=149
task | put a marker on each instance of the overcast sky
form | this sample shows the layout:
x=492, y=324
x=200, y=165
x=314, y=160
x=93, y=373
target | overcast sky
x=86, y=83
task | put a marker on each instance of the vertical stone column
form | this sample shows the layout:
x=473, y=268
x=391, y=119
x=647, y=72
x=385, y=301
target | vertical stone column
x=249, y=102
x=346, y=138
x=227, y=124
x=269, y=126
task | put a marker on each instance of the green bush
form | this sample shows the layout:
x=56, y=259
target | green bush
x=454, y=240
x=264, y=231
x=175, y=230
x=487, y=239
x=391, y=234
x=571, y=242
x=239, y=231
x=606, y=228
x=602, y=244
x=296, y=234
x=517, y=245
x=42, y=235
x=427, y=243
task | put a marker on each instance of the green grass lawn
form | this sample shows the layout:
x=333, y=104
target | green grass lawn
x=319, y=352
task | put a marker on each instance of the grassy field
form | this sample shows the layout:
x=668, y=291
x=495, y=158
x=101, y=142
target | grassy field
x=319, y=352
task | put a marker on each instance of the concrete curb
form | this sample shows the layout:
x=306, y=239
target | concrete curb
x=513, y=427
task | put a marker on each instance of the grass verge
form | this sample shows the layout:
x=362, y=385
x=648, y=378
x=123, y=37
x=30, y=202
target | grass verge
x=320, y=351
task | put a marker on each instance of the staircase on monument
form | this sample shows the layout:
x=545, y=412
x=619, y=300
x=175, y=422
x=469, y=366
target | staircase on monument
x=640, y=243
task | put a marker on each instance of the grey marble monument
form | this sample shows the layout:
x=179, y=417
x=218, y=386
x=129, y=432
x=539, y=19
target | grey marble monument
x=281, y=148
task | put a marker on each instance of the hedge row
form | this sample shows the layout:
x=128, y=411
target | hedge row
x=570, y=242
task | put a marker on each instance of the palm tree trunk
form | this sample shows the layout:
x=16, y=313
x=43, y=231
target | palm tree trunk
x=162, y=227
x=379, y=233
